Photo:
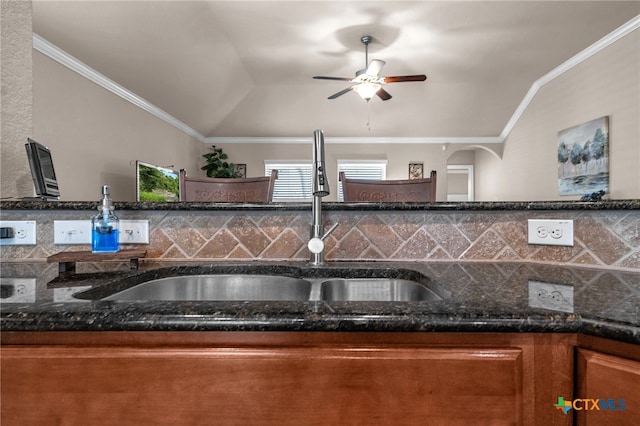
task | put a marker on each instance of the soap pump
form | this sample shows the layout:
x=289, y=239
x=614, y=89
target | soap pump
x=104, y=227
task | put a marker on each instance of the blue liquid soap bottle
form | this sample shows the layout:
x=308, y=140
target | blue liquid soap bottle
x=105, y=227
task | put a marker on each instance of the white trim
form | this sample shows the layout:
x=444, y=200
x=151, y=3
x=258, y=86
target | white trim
x=62, y=57
x=598, y=46
x=355, y=139
x=54, y=52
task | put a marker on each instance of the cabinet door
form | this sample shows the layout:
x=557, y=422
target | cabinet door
x=614, y=382
x=261, y=386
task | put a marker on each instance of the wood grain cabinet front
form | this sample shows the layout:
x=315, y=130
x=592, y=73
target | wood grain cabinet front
x=334, y=379
x=608, y=390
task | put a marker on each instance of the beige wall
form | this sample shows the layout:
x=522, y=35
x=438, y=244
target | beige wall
x=16, y=99
x=96, y=136
x=607, y=84
x=398, y=157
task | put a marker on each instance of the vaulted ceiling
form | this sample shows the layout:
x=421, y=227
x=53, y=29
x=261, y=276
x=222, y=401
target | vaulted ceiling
x=245, y=68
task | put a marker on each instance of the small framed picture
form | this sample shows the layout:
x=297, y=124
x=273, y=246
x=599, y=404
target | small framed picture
x=241, y=169
x=416, y=171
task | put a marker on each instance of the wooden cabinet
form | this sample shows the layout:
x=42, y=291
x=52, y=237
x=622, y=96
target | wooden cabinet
x=609, y=387
x=284, y=378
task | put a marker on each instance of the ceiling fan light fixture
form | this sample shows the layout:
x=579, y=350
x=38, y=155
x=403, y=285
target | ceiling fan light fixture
x=367, y=90
x=368, y=82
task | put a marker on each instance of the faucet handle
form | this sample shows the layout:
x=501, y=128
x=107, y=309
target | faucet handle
x=315, y=245
x=326, y=234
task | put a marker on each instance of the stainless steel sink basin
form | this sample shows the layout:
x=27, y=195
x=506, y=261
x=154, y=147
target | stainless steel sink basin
x=375, y=289
x=218, y=287
x=266, y=283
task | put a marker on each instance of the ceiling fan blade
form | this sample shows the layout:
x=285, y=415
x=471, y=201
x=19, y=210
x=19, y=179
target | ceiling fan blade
x=340, y=93
x=374, y=67
x=320, y=77
x=401, y=78
x=383, y=94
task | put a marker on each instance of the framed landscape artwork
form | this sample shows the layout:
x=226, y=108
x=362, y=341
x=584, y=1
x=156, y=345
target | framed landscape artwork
x=583, y=158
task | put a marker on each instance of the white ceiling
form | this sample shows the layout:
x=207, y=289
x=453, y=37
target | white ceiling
x=244, y=69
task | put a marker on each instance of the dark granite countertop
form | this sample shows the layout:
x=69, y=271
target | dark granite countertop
x=447, y=206
x=475, y=297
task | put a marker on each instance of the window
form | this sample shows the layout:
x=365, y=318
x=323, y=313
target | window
x=294, y=180
x=361, y=169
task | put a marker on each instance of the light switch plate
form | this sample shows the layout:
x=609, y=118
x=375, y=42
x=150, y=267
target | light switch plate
x=134, y=232
x=72, y=232
x=79, y=232
x=24, y=233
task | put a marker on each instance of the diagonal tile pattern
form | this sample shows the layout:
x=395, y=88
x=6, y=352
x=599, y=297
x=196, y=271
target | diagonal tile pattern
x=602, y=238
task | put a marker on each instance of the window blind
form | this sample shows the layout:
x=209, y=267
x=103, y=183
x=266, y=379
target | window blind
x=294, y=180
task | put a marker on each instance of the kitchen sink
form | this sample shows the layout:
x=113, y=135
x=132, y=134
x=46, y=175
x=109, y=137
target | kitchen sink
x=375, y=289
x=218, y=287
x=285, y=284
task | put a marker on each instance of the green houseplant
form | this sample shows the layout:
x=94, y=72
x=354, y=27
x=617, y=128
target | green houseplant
x=217, y=166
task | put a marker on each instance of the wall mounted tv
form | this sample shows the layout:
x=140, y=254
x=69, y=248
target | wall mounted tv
x=155, y=183
x=42, y=171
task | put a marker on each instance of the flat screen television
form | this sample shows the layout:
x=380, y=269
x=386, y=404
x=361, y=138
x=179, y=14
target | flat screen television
x=155, y=183
x=42, y=171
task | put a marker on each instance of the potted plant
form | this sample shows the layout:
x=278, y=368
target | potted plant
x=217, y=166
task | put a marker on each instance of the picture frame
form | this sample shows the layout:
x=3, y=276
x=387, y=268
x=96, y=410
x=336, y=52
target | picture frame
x=241, y=169
x=583, y=158
x=416, y=170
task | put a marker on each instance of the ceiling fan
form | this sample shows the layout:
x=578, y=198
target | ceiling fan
x=367, y=80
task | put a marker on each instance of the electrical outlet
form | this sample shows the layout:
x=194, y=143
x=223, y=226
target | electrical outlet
x=72, y=232
x=550, y=232
x=24, y=233
x=18, y=290
x=556, y=297
x=134, y=232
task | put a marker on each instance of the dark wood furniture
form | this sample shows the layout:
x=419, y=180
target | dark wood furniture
x=227, y=190
x=67, y=260
x=389, y=191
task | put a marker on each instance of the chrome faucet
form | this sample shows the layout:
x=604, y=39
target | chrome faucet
x=320, y=189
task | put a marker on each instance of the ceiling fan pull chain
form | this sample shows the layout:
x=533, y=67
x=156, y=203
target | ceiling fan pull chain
x=369, y=116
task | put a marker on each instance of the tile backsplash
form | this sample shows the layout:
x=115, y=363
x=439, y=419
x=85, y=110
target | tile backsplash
x=604, y=238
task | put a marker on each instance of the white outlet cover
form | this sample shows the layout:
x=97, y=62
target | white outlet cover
x=555, y=297
x=24, y=233
x=23, y=290
x=550, y=232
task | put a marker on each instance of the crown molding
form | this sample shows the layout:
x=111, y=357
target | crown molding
x=587, y=53
x=52, y=51
x=354, y=140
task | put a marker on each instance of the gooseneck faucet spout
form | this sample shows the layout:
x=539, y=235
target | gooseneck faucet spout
x=320, y=184
x=320, y=189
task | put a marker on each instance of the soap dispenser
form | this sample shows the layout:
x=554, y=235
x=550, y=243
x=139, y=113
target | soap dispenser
x=105, y=226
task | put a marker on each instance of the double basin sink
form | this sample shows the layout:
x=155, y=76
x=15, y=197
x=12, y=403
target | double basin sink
x=392, y=287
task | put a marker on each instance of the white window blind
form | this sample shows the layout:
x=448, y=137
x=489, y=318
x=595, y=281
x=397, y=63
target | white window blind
x=361, y=169
x=294, y=180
